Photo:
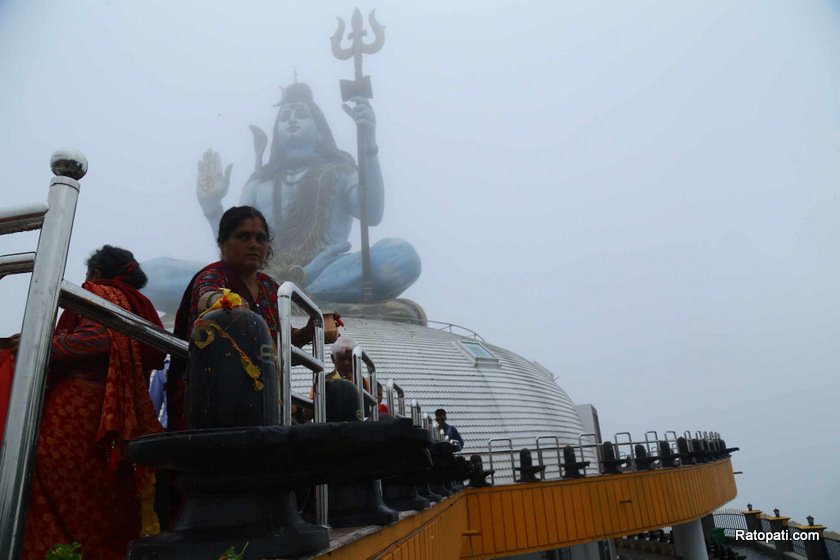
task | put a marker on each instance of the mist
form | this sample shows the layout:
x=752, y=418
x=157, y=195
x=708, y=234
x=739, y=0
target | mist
x=642, y=197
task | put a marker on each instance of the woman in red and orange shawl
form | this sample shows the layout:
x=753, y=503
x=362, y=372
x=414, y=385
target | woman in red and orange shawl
x=97, y=399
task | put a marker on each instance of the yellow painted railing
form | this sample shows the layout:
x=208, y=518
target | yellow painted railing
x=515, y=519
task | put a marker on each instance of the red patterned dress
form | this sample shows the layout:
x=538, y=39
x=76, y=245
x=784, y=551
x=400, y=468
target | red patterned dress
x=97, y=399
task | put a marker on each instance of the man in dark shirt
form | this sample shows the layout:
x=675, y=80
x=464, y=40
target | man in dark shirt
x=448, y=430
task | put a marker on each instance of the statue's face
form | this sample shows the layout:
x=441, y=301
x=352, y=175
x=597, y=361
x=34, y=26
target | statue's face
x=296, y=126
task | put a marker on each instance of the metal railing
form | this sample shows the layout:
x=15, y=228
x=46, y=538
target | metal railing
x=541, y=459
x=765, y=525
x=429, y=425
x=596, y=446
x=115, y=317
x=287, y=294
x=31, y=216
x=798, y=545
x=16, y=263
x=392, y=389
x=730, y=520
x=508, y=450
x=55, y=219
x=416, y=412
x=48, y=291
x=365, y=396
x=589, y=448
x=439, y=325
x=832, y=546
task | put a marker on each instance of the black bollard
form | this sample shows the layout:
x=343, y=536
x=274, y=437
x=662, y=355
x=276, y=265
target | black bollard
x=526, y=468
x=463, y=471
x=666, y=457
x=478, y=476
x=424, y=490
x=402, y=496
x=686, y=455
x=720, y=451
x=401, y=492
x=443, y=468
x=609, y=463
x=713, y=449
x=700, y=454
x=727, y=451
x=357, y=504
x=571, y=466
x=643, y=461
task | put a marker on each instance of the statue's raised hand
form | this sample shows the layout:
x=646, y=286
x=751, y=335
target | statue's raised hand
x=212, y=184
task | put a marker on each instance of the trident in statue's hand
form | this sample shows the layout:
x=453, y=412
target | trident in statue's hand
x=360, y=87
x=359, y=91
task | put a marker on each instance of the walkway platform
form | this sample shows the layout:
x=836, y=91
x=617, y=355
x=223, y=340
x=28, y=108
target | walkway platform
x=483, y=523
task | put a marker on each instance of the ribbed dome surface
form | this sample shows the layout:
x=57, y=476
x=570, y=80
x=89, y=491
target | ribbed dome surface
x=508, y=398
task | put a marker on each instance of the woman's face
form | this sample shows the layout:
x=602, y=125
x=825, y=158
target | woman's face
x=247, y=247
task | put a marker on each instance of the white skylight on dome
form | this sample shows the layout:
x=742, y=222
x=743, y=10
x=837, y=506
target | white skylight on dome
x=478, y=352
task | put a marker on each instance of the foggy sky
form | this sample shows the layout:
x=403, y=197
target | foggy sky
x=641, y=197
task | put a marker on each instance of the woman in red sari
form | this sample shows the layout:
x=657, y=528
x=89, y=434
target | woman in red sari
x=97, y=399
x=245, y=245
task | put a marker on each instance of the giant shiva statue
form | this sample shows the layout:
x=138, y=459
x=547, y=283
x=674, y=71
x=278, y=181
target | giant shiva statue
x=308, y=191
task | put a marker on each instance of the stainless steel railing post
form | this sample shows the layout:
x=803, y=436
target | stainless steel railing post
x=629, y=443
x=671, y=439
x=389, y=397
x=26, y=400
x=596, y=446
x=490, y=453
x=416, y=412
x=427, y=425
x=395, y=397
x=359, y=356
x=654, y=441
x=359, y=380
x=286, y=294
x=540, y=455
x=400, y=400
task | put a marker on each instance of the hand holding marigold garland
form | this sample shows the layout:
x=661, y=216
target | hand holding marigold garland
x=228, y=300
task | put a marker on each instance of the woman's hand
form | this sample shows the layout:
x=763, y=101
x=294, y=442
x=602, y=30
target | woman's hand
x=307, y=333
x=206, y=301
